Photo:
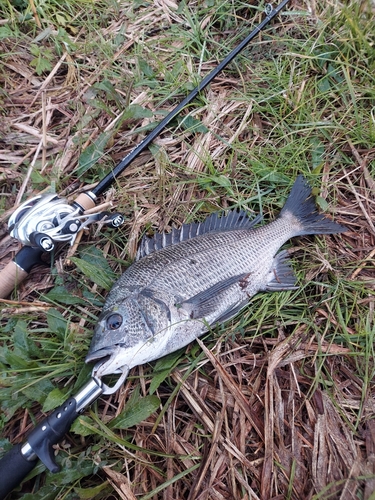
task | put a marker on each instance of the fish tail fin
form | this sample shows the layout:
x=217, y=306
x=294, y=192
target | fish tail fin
x=300, y=207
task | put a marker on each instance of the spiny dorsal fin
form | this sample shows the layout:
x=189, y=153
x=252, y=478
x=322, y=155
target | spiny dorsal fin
x=214, y=223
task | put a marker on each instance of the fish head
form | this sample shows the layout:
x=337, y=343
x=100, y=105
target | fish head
x=128, y=333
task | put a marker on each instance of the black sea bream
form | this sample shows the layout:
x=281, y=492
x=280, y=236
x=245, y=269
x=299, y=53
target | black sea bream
x=193, y=278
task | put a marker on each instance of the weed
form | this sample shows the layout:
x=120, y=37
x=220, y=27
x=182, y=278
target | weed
x=285, y=405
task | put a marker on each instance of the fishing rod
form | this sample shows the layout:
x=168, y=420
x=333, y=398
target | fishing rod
x=44, y=221
x=61, y=223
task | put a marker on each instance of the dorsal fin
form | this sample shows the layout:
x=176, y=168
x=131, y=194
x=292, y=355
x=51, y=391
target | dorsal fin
x=215, y=222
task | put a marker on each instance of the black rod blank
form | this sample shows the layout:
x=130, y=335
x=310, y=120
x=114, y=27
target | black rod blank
x=134, y=153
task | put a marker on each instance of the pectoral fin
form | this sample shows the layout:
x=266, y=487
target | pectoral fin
x=207, y=302
x=230, y=313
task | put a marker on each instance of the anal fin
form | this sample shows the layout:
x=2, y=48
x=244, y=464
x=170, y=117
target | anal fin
x=282, y=276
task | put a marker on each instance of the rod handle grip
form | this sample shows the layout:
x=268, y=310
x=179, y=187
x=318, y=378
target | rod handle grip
x=10, y=276
x=85, y=201
x=13, y=470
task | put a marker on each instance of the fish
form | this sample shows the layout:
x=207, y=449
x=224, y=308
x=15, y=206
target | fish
x=185, y=282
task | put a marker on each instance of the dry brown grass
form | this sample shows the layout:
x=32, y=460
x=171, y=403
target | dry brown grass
x=284, y=410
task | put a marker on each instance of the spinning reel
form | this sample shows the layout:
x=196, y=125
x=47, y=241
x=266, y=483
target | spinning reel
x=48, y=219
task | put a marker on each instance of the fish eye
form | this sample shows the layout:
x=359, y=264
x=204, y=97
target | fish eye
x=114, y=321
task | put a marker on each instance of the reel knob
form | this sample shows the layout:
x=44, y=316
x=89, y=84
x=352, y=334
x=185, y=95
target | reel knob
x=115, y=220
x=110, y=220
x=42, y=241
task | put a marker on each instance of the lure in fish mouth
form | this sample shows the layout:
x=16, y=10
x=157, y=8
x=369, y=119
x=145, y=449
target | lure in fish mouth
x=186, y=281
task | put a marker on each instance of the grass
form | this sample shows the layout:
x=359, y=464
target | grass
x=277, y=403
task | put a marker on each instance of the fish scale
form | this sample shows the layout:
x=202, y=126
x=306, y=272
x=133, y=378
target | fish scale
x=191, y=279
x=237, y=254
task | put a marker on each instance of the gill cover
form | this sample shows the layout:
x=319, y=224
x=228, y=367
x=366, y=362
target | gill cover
x=124, y=329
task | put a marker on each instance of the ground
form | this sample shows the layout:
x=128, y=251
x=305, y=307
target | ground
x=276, y=403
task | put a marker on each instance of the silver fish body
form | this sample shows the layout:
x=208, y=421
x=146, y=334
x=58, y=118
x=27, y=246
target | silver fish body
x=193, y=278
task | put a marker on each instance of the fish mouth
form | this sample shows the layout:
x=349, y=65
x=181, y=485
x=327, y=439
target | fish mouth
x=109, y=361
x=106, y=352
x=108, y=364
